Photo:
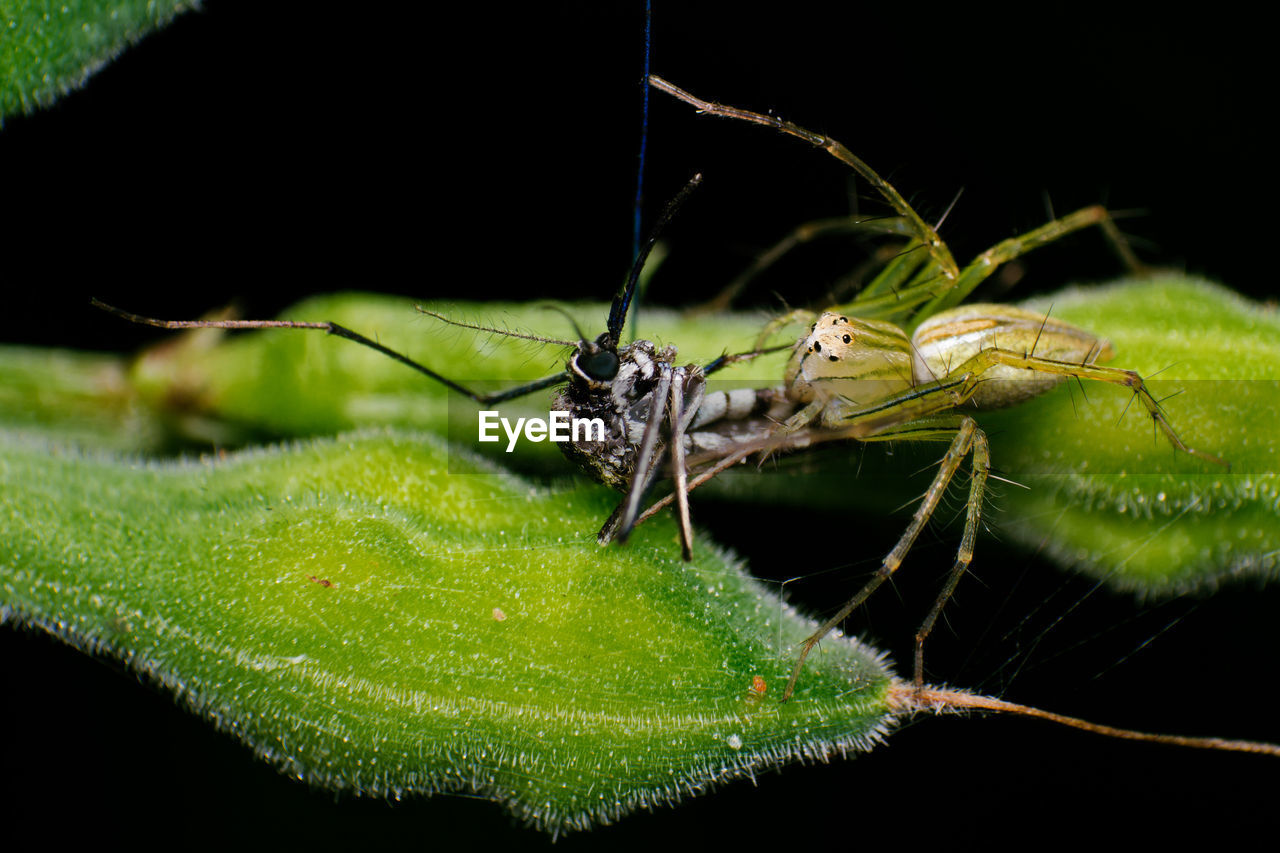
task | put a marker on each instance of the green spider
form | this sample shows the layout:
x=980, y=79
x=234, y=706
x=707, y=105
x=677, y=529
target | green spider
x=897, y=362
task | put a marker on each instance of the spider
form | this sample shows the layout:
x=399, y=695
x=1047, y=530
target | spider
x=900, y=360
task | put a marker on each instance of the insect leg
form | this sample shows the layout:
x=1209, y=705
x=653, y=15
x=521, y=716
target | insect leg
x=342, y=332
x=678, y=473
x=915, y=406
x=723, y=464
x=909, y=415
x=645, y=470
x=960, y=446
x=624, y=520
x=726, y=360
x=780, y=440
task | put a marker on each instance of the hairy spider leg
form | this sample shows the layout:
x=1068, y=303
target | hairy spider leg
x=801, y=235
x=906, y=416
x=940, y=283
x=965, y=437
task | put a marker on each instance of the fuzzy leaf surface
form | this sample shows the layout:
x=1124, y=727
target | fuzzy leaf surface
x=48, y=49
x=378, y=614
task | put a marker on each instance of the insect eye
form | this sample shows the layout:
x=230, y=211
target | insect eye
x=601, y=366
x=847, y=339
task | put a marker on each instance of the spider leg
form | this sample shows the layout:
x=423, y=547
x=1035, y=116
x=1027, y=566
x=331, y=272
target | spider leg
x=1015, y=247
x=1130, y=379
x=922, y=231
x=964, y=555
x=941, y=283
x=964, y=439
x=801, y=235
x=679, y=423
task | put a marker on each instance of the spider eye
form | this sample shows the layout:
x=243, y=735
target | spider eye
x=847, y=339
x=601, y=366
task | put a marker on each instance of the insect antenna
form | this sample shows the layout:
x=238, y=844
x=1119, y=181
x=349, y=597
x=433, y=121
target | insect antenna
x=344, y=332
x=505, y=332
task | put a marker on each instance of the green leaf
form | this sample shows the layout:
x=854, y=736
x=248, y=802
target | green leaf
x=1108, y=496
x=77, y=398
x=50, y=48
x=379, y=614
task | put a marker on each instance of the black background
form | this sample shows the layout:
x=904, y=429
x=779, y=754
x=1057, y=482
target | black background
x=261, y=152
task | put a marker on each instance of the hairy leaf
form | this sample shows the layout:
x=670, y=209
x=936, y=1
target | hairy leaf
x=47, y=48
x=1105, y=492
x=379, y=614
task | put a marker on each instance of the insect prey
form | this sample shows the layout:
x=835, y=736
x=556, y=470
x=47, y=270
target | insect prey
x=652, y=409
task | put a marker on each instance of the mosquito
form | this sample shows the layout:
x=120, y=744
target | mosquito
x=899, y=361
x=651, y=407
